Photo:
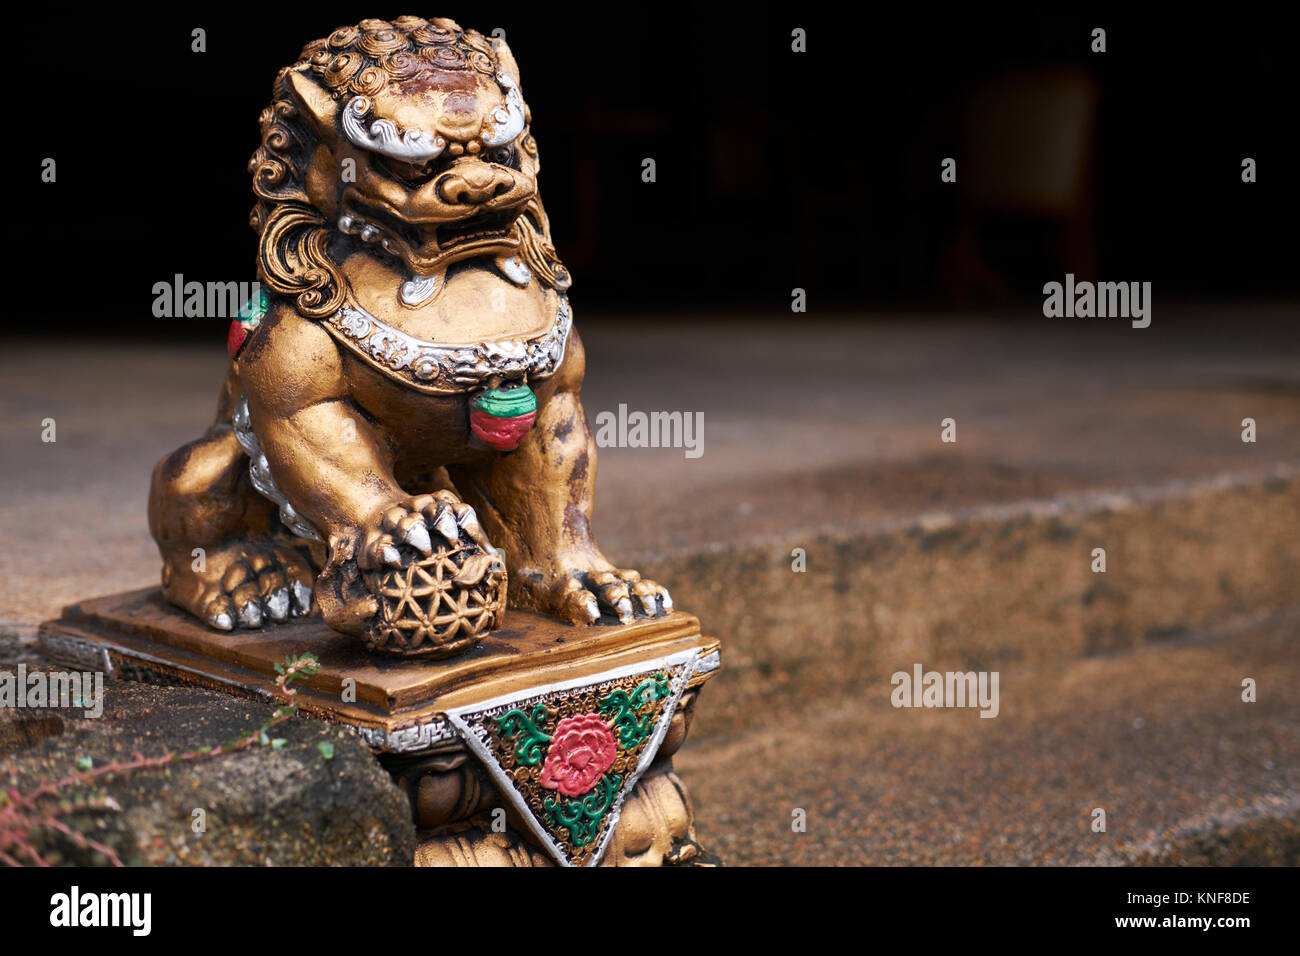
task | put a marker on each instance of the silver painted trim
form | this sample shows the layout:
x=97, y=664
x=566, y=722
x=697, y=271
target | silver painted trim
x=505, y=122
x=708, y=663
x=259, y=472
x=73, y=645
x=419, y=289
x=456, y=367
x=410, y=145
x=408, y=740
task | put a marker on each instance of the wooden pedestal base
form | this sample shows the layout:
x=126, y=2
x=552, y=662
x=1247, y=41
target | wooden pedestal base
x=401, y=708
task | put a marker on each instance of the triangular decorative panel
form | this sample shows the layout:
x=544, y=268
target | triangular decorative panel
x=567, y=754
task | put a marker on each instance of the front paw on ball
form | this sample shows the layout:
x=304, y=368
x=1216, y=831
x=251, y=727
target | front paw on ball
x=437, y=584
x=410, y=524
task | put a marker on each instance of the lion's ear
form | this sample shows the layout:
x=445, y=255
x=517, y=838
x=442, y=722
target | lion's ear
x=313, y=102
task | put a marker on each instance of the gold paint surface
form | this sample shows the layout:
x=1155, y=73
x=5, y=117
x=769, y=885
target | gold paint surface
x=384, y=165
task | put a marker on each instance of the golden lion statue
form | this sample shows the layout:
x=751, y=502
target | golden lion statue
x=402, y=405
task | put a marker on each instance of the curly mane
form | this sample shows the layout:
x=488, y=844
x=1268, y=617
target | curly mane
x=294, y=258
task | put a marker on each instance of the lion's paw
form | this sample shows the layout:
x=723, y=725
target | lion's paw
x=245, y=584
x=588, y=596
x=420, y=580
x=410, y=523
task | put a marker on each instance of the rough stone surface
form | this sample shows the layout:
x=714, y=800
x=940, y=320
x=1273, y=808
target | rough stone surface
x=1158, y=737
x=263, y=806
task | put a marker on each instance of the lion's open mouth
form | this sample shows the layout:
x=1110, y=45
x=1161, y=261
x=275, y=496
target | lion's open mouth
x=493, y=227
x=434, y=246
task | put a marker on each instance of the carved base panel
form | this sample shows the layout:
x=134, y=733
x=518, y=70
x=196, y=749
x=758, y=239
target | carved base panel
x=483, y=743
x=656, y=828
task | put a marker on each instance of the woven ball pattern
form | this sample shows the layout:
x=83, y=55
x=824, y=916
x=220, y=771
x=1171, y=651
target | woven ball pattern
x=438, y=604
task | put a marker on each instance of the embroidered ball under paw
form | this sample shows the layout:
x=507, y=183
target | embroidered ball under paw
x=438, y=604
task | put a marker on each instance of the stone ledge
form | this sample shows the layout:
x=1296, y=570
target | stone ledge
x=990, y=587
x=286, y=807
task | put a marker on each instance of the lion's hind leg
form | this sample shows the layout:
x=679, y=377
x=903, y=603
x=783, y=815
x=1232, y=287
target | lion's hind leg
x=225, y=557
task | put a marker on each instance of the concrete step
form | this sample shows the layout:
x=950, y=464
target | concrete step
x=989, y=587
x=1157, y=736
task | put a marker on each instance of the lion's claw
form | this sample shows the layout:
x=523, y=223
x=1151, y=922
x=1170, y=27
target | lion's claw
x=417, y=536
x=621, y=594
x=446, y=525
x=302, y=595
x=578, y=604
x=250, y=614
x=410, y=522
x=613, y=594
x=249, y=585
x=278, y=604
x=466, y=519
x=647, y=592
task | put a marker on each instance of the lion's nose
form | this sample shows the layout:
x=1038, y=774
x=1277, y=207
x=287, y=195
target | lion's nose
x=473, y=184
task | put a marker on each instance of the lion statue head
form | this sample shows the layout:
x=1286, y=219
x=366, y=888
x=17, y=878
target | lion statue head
x=408, y=137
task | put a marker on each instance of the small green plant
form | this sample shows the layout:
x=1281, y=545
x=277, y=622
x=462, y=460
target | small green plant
x=43, y=807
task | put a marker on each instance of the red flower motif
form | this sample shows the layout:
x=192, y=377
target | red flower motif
x=581, y=751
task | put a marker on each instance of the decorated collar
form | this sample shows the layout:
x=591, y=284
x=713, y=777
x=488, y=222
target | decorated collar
x=451, y=369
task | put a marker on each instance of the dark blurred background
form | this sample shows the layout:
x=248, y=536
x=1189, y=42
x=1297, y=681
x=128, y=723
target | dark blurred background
x=775, y=169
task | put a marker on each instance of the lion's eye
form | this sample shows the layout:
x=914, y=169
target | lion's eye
x=502, y=155
x=409, y=173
